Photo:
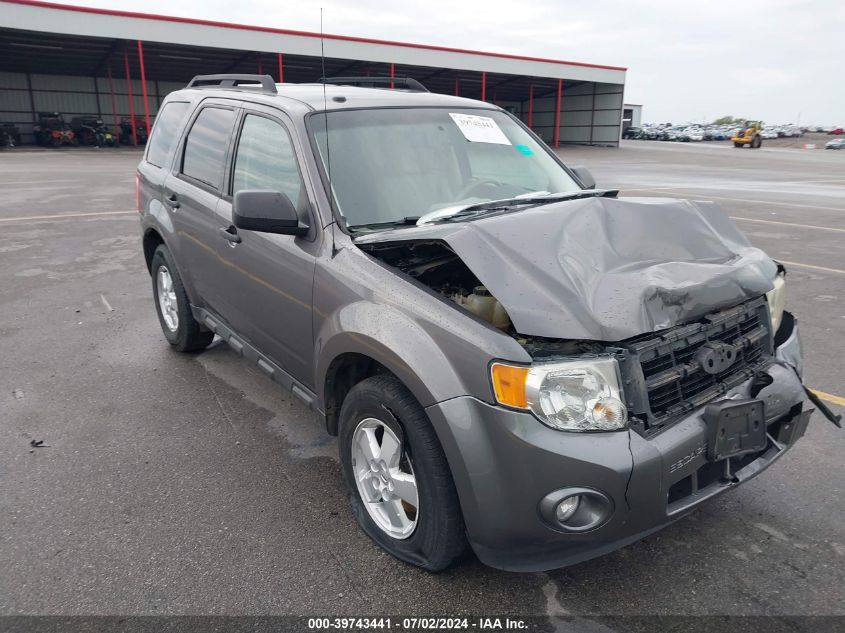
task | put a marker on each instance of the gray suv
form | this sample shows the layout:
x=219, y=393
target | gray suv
x=513, y=361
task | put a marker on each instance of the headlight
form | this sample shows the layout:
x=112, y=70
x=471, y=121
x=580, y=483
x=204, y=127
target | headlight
x=777, y=300
x=577, y=395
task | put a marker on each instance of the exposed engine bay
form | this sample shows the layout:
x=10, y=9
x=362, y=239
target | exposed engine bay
x=435, y=265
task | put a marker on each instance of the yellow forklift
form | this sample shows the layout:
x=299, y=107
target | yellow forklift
x=749, y=134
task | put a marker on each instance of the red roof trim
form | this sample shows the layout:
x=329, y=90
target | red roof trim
x=267, y=29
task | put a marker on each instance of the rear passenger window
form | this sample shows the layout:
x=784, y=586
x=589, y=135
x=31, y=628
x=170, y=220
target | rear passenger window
x=265, y=159
x=205, y=147
x=165, y=132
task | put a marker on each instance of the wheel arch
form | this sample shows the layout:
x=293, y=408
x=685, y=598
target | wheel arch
x=151, y=241
x=344, y=372
x=371, y=342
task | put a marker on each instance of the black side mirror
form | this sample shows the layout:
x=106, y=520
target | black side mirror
x=584, y=176
x=267, y=212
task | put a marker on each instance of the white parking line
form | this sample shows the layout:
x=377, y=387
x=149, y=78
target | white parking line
x=14, y=183
x=749, y=200
x=62, y=216
x=802, y=226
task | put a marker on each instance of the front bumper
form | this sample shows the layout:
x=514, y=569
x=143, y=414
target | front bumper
x=504, y=462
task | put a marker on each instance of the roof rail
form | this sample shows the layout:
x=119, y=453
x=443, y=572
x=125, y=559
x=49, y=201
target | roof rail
x=268, y=85
x=398, y=83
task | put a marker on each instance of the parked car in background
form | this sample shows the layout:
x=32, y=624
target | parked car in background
x=632, y=132
x=694, y=134
x=836, y=143
x=837, y=131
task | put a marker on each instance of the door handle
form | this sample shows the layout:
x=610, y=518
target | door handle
x=231, y=234
x=172, y=201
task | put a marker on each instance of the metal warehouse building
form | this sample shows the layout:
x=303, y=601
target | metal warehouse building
x=113, y=64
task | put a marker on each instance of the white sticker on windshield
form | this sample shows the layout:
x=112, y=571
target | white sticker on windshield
x=479, y=129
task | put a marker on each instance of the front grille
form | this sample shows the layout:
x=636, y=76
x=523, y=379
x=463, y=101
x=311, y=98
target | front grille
x=671, y=375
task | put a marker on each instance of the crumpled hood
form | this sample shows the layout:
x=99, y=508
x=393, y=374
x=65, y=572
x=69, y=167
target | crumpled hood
x=603, y=268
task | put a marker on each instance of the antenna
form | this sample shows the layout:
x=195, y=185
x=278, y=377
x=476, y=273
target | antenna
x=326, y=123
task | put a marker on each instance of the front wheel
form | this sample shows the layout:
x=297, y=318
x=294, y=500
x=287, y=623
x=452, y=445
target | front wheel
x=399, y=484
x=180, y=328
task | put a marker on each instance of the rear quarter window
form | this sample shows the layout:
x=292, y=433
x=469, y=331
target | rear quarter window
x=165, y=132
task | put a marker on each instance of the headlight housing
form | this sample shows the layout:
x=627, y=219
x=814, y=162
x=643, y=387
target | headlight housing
x=777, y=300
x=578, y=395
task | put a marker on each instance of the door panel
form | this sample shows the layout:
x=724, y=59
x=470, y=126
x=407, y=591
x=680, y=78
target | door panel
x=195, y=226
x=268, y=278
x=268, y=281
x=192, y=195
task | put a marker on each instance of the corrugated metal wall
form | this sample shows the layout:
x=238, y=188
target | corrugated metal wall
x=23, y=96
x=591, y=114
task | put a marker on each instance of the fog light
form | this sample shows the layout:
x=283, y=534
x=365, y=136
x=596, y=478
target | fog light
x=575, y=509
x=567, y=507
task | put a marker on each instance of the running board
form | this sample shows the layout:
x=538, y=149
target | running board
x=247, y=351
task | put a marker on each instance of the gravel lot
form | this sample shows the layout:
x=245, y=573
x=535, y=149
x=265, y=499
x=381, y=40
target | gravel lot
x=187, y=484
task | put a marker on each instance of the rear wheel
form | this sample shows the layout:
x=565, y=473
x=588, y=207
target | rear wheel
x=756, y=142
x=399, y=484
x=180, y=328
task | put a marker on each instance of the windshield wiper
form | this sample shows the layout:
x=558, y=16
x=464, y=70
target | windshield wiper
x=483, y=208
x=375, y=226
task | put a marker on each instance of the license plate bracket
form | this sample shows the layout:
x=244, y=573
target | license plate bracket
x=735, y=427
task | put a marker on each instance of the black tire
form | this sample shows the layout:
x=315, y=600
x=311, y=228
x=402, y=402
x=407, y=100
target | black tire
x=737, y=144
x=439, y=536
x=756, y=142
x=188, y=335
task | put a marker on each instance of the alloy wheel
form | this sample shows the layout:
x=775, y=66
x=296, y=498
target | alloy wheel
x=167, y=302
x=385, y=478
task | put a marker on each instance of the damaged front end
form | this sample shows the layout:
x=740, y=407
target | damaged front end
x=661, y=304
x=669, y=289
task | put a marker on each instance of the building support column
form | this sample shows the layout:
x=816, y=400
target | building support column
x=530, y=104
x=457, y=86
x=392, y=74
x=115, y=122
x=130, y=96
x=484, y=86
x=281, y=69
x=144, y=87
x=31, y=99
x=557, y=112
x=97, y=96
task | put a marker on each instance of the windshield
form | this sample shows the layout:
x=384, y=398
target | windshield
x=396, y=165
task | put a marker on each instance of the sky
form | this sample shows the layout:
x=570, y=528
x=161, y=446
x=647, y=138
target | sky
x=781, y=61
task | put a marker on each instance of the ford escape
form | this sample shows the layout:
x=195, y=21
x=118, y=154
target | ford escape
x=513, y=361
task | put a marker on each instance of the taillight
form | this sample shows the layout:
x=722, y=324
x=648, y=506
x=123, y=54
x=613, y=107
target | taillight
x=138, y=192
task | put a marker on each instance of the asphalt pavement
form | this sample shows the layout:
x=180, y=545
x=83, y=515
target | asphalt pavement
x=188, y=484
